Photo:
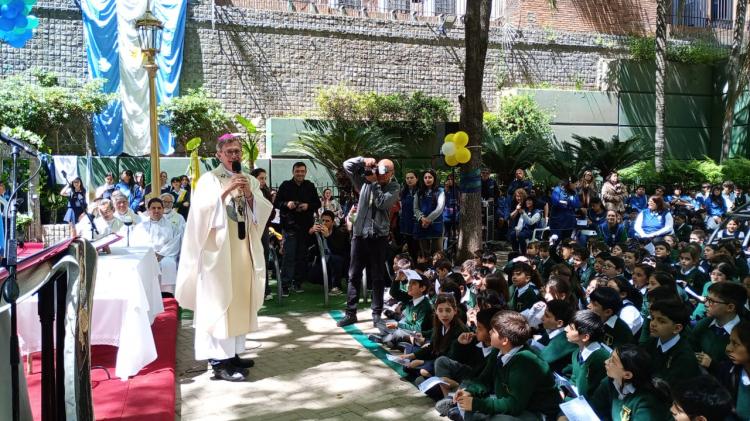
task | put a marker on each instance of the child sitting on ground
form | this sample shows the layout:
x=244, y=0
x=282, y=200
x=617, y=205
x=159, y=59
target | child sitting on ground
x=606, y=303
x=515, y=382
x=735, y=374
x=701, y=398
x=585, y=331
x=711, y=335
x=523, y=293
x=557, y=350
x=416, y=313
x=672, y=357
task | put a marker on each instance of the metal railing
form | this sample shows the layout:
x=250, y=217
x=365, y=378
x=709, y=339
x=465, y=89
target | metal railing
x=716, y=31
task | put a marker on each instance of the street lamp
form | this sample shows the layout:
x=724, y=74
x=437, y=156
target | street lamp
x=149, y=37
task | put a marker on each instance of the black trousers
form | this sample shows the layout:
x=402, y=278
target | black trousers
x=367, y=253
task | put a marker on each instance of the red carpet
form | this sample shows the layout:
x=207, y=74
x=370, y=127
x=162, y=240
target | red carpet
x=149, y=396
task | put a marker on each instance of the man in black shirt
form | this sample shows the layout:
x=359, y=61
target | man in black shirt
x=297, y=200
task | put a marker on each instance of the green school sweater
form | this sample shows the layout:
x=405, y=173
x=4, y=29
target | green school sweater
x=524, y=301
x=618, y=335
x=470, y=355
x=428, y=352
x=415, y=318
x=678, y=363
x=704, y=339
x=587, y=375
x=557, y=352
x=695, y=279
x=637, y=406
x=525, y=382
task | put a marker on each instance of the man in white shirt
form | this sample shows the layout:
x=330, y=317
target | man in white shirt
x=171, y=215
x=105, y=223
x=158, y=232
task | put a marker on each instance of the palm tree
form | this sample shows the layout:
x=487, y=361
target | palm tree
x=503, y=158
x=330, y=144
x=737, y=79
x=563, y=161
x=661, y=71
x=610, y=156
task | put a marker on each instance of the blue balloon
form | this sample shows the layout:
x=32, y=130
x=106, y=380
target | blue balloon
x=18, y=40
x=21, y=21
x=13, y=9
x=33, y=22
x=3, y=10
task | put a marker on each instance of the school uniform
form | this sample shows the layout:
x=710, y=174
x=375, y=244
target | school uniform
x=588, y=367
x=712, y=339
x=469, y=298
x=557, y=351
x=616, y=332
x=523, y=298
x=673, y=360
x=627, y=403
x=631, y=316
x=584, y=274
x=416, y=314
x=736, y=380
x=694, y=278
x=463, y=361
x=518, y=382
x=683, y=232
x=428, y=352
x=545, y=267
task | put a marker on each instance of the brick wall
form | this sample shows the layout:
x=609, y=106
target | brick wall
x=272, y=63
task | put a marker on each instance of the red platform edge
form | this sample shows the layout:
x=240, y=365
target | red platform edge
x=148, y=396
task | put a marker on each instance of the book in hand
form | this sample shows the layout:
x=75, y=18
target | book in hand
x=578, y=410
x=564, y=384
x=430, y=383
x=100, y=243
x=398, y=360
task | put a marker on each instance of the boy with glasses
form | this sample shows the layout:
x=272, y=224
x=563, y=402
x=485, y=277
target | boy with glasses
x=711, y=335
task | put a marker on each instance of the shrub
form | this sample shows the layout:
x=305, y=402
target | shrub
x=737, y=170
x=195, y=114
x=696, y=52
x=519, y=119
x=689, y=173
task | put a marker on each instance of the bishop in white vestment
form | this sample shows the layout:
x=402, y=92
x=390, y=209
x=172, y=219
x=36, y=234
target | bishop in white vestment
x=221, y=276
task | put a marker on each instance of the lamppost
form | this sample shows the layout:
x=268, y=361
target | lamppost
x=149, y=37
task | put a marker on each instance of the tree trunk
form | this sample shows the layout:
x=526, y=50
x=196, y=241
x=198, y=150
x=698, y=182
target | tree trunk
x=661, y=70
x=733, y=79
x=477, y=25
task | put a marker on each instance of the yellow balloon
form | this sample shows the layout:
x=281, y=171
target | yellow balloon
x=461, y=139
x=463, y=155
x=451, y=160
x=449, y=137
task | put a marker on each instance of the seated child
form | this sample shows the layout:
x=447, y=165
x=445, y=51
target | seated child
x=701, y=398
x=690, y=275
x=416, y=313
x=672, y=357
x=585, y=331
x=721, y=272
x=489, y=260
x=606, y=303
x=446, y=327
x=582, y=268
x=557, y=350
x=711, y=335
x=443, y=268
x=630, y=391
x=515, y=382
x=523, y=293
x=735, y=374
x=632, y=300
x=731, y=230
x=468, y=354
x=546, y=261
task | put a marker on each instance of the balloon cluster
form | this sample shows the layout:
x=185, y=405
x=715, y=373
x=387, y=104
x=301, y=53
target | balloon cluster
x=454, y=149
x=16, y=25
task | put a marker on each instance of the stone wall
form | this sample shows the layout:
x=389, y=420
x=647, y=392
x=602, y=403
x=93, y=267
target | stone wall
x=272, y=63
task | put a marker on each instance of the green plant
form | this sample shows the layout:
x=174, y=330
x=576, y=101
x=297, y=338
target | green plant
x=549, y=34
x=53, y=112
x=737, y=170
x=195, y=114
x=684, y=172
x=409, y=116
x=579, y=82
x=250, y=149
x=608, y=156
x=503, y=157
x=519, y=119
x=330, y=144
x=696, y=52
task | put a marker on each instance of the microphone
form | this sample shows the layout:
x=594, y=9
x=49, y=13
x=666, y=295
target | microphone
x=239, y=203
x=12, y=141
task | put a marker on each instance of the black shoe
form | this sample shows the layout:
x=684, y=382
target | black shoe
x=228, y=374
x=454, y=414
x=346, y=321
x=241, y=362
x=389, y=314
x=377, y=321
x=375, y=338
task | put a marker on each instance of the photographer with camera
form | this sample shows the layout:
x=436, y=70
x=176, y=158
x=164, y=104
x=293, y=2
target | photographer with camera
x=378, y=192
x=297, y=200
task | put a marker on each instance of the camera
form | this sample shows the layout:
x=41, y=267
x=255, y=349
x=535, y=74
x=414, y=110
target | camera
x=379, y=170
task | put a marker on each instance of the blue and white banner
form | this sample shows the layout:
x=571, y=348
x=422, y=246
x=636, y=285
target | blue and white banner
x=114, y=54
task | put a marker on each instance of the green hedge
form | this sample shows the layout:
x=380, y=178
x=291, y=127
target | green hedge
x=688, y=173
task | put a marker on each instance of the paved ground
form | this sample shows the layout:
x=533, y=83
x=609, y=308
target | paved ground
x=306, y=369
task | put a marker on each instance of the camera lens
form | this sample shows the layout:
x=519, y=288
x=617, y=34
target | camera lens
x=368, y=172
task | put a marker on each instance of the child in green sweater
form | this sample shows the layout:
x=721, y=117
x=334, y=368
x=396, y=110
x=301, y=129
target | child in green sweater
x=416, y=313
x=701, y=398
x=585, y=331
x=607, y=303
x=673, y=358
x=711, y=335
x=736, y=374
x=523, y=293
x=557, y=350
x=630, y=392
x=515, y=381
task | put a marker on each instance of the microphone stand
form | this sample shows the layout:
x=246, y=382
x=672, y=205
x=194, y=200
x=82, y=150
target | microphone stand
x=10, y=287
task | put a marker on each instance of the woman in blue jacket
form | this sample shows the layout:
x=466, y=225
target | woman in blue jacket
x=716, y=207
x=654, y=221
x=452, y=208
x=565, y=202
x=429, y=203
x=406, y=221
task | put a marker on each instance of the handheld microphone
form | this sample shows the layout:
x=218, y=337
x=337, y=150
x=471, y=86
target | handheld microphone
x=239, y=203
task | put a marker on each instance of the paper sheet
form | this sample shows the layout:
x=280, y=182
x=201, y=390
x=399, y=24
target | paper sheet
x=578, y=410
x=430, y=383
x=398, y=360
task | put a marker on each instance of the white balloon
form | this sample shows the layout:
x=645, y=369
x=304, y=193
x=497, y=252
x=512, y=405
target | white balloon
x=448, y=148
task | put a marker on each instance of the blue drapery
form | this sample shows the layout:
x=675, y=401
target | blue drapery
x=102, y=50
